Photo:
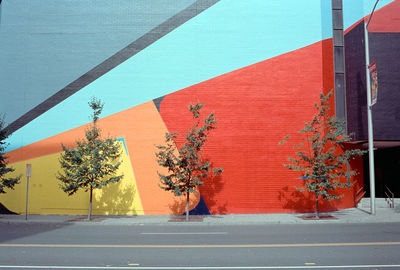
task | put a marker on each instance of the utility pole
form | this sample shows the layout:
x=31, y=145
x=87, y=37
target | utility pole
x=369, y=114
x=28, y=174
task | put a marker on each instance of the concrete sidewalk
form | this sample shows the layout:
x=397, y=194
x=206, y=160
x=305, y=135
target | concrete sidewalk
x=353, y=215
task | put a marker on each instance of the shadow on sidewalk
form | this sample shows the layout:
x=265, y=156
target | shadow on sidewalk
x=321, y=217
x=13, y=231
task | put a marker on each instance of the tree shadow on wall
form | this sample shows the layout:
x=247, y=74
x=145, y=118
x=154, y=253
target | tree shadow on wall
x=213, y=185
x=303, y=202
x=116, y=199
x=204, y=200
x=4, y=210
x=178, y=206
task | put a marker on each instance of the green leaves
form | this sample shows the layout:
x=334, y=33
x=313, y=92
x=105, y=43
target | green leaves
x=5, y=182
x=195, y=109
x=321, y=158
x=93, y=163
x=97, y=107
x=185, y=165
x=284, y=140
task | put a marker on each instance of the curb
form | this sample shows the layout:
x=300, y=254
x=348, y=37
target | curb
x=346, y=216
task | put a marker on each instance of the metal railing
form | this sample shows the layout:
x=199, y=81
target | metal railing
x=359, y=195
x=389, y=197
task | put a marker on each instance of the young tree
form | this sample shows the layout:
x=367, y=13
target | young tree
x=322, y=158
x=5, y=182
x=185, y=164
x=94, y=162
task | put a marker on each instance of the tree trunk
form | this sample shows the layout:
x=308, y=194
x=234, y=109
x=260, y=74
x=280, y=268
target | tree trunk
x=187, y=206
x=316, y=207
x=90, y=203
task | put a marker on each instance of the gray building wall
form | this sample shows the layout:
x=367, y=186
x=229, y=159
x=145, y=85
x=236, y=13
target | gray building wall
x=45, y=45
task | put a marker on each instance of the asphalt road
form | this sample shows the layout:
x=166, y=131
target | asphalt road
x=297, y=246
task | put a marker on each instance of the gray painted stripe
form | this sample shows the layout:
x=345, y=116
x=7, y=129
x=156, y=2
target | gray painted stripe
x=115, y=60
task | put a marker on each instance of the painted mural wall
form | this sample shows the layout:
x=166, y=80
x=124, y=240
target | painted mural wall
x=251, y=62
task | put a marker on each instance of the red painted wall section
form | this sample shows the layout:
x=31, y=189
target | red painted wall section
x=386, y=19
x=328, y=79
x=256, y=107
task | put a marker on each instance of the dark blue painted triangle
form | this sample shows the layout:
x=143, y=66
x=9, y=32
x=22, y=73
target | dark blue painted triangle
x=157, y=102
x=200, y=209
